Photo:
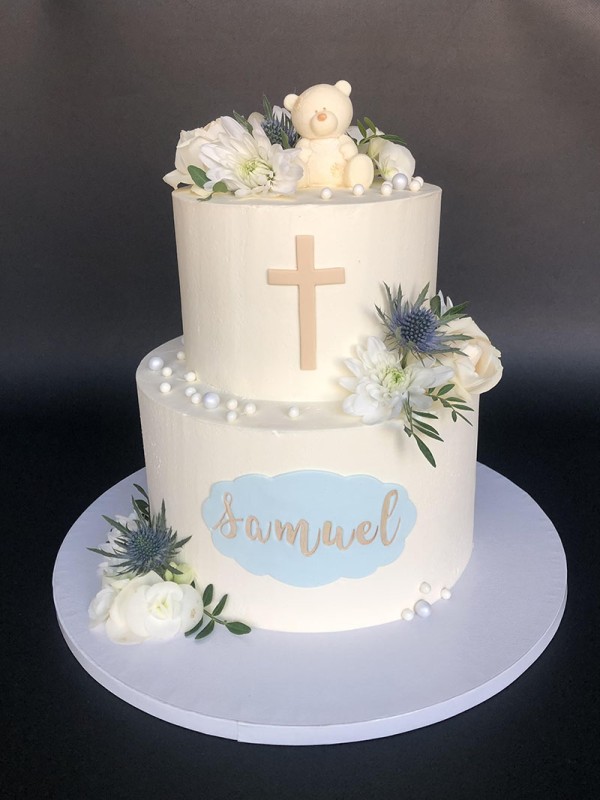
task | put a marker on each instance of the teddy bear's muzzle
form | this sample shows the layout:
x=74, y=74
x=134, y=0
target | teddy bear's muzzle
x=324, y=123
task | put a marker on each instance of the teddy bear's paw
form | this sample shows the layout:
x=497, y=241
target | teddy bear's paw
x=359, y=170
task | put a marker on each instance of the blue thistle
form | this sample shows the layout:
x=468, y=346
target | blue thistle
x=279, y=130
x=149, y=546
x=414, y=328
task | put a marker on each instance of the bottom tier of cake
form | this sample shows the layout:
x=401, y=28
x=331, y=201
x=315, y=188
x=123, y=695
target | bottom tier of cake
x=308, y=519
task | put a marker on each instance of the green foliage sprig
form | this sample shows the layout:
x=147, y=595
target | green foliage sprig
x=368, y=131
x=212, y=618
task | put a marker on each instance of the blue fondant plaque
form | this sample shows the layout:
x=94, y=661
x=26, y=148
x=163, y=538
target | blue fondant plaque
x=309, y=528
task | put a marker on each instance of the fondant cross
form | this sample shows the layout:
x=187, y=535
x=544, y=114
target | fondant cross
x=306, y=278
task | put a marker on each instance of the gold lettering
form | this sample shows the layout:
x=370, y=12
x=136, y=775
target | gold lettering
x=337, y=540
x=362, y=530
x=253, y=534
x=227, y=525
x=290, y=532
x=389, y=505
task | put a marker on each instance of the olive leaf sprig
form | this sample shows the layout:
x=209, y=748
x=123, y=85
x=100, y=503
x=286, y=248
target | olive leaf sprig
x=214, y=618
x=368, y=131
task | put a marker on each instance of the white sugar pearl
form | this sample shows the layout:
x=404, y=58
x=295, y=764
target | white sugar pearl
x=190, y=391
x=156, y=363
x=414, y=185
x=358, y=190
x=190, y=376
x=165, y=387
x=211, y=400
x=445, y=594
x=408, y=614
x=249, y=408
x=386, y=188
x=166, y=372
x=293, y=412
x=422, y=608
x=232, y=404
x=399, y=181
x=424, y=588
x=421, y=181
x=326, y=193
x=231, y=416
x=180, y=356
x=196, y=398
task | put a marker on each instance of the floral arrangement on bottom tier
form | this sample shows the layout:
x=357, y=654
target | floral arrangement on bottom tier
x=433, y=356
x=148, y=593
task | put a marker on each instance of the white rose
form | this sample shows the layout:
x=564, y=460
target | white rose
x=477, y=368
x=149, y=608
x=100, y=605
x=187, y=153
x=391, y=158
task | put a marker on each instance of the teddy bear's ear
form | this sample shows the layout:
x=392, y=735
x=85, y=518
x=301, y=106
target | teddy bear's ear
x=290, y=101
x=344, y=87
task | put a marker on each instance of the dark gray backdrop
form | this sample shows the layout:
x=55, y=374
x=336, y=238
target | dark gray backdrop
x=499, y=103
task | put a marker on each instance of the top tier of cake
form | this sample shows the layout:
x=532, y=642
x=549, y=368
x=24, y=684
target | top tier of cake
x=276, y=292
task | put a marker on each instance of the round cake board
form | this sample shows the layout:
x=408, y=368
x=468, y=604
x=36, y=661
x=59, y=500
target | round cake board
x=326, y=688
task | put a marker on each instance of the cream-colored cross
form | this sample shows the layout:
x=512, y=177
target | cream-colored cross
x=306, y=278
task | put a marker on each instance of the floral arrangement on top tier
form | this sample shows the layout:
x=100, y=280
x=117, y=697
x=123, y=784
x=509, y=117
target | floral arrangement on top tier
x=307, y=142
x=148, y=593
x=433, y=355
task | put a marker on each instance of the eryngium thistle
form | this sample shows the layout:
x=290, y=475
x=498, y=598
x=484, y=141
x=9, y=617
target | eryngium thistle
x=149, y=546
x=280, y=131
x=414, y=328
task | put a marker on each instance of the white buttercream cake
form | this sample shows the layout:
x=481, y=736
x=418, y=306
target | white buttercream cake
x=313, y=432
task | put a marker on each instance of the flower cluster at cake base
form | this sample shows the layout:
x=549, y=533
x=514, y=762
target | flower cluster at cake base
x=148, y=593
x=432, y=357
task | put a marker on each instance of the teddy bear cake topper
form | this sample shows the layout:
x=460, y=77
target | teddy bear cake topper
x=307, y=143
x=322, y=115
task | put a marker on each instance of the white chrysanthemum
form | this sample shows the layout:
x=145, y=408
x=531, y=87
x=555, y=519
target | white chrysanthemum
x=248, y=163
x=382, y=385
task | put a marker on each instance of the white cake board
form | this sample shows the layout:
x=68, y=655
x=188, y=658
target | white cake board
x=292, y=689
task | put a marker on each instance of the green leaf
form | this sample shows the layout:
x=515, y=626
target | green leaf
x=221, y=186
x=454, y=416
x=371, y=124
x=238, y=628
x=267, y=107
x=207, y=596
x=420, y=299
x=428, y=430
x=435, y=304
x=196, y=627
x=220, y=606
x=455, y=311
x=114, y=524
x=445, y=389
x=198, y=176
x=285, y=140
x=361, y=128
x=103, y=552
x=426, y=451
x=424, y=414
x=391, y=137
x=207, y=630
x=142, y=491
x=242, y=121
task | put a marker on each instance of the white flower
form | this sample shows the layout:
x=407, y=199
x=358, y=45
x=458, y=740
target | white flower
x=445, y=302
x=477, y=367
x=187, y=154
x=149, y=608
x=382, y=385
x=391, y=158
x=248, y=163
x=100, y=605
